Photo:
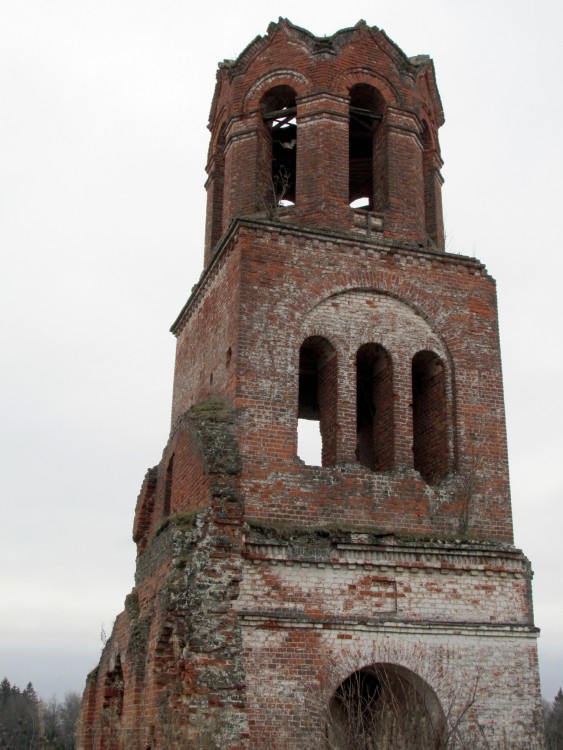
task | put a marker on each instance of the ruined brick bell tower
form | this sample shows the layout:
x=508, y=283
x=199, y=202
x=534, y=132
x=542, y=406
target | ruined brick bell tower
x=376, y=600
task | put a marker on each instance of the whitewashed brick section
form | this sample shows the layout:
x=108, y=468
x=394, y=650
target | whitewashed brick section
x=419, y=594
x=486, y=683
x=356, y=317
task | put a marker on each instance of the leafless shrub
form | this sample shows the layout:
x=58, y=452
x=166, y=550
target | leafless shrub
x=275, y=192
x=379, y=708
x=389, y=707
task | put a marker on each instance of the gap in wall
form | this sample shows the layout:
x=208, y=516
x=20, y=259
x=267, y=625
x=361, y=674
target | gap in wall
x=309, y=443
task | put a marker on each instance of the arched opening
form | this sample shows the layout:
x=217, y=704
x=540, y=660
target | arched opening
x=374, y=408
x=366, y=152
x=279, y=114
x=429, y=416
x=385, y=707
x=317, y=391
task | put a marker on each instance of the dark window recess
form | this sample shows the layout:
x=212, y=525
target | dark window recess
x=374, y=408
x=386, y=702
x=367, y=162
x=317, y=391
x=279, y=113
x=430, y=416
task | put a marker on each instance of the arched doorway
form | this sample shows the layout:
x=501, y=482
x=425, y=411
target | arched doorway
x=385, y=707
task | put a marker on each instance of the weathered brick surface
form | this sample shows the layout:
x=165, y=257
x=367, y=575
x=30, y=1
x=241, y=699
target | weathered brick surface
x=262, y=583
x=295, y=284
x=178, y=642
x=369, y=579
x=308, y=664
x=321, y=73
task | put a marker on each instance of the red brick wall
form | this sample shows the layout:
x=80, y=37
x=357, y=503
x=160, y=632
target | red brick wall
x=208, y=334
x=405, y=191
x=271, y=287
x=295, y=285
x=262, y=583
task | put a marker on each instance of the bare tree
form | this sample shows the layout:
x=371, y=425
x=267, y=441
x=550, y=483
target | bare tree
x=275, y=192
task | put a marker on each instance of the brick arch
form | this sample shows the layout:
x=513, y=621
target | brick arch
x=300, y=83
x=375, y=289
x=344, y=81
x=426, y=661
x=442, y=350
x=375, y=282
x=337, y=342
x=385, y=698
x=427, y=93
x=282, y=34
x=406, y=290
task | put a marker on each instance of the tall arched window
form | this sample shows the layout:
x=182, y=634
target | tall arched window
x=367, y=186
x=374, y=408
x=279, y=113
x=318, y=390
x=430, y=416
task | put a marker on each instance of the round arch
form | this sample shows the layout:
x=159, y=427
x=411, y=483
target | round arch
x=385, y=706
x=283, y=77
x=401, y=328
x=346, y=80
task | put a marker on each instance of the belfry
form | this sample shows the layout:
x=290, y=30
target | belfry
x=375, y=600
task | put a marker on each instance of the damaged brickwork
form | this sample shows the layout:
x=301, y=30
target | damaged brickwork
x=178, y=643
x=275, y=601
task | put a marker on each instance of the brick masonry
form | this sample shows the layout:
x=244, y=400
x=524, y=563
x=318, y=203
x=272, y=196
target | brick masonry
x=263, y=583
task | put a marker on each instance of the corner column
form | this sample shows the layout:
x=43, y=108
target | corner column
x=404, y=218
x=322, y=159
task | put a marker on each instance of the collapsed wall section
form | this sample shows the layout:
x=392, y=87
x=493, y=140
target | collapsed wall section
x=171, y=671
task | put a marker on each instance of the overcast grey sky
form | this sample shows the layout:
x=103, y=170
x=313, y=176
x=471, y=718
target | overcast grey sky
x=103, y=144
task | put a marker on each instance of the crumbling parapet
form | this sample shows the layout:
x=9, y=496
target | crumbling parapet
x=171, y=671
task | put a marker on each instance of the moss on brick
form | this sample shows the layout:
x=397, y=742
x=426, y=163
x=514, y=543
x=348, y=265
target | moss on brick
x=180, y=521
x=213, y=409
